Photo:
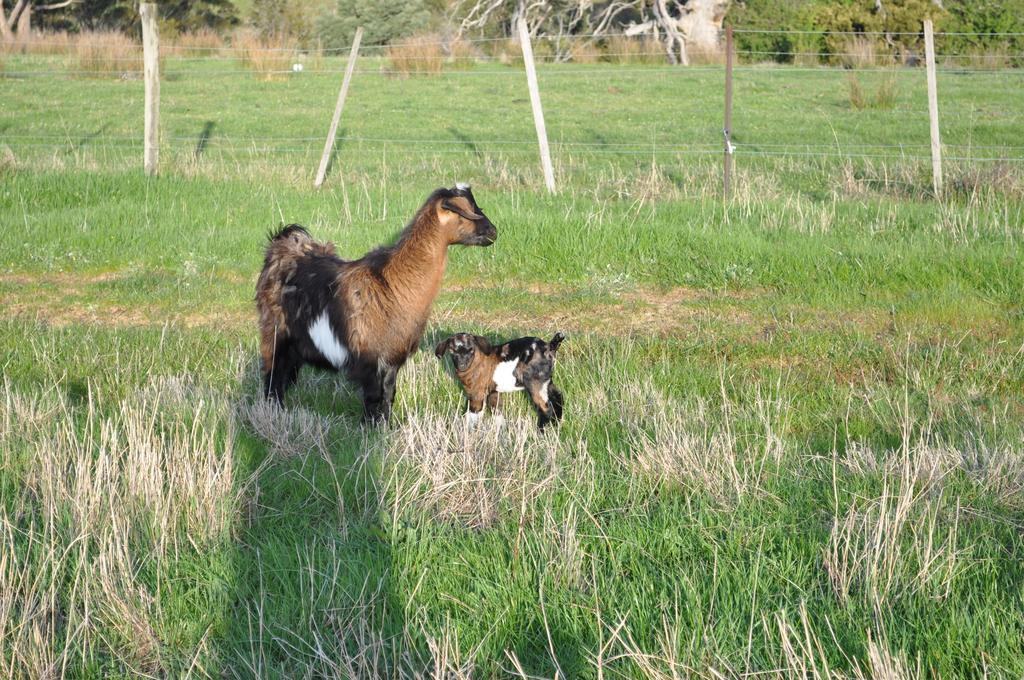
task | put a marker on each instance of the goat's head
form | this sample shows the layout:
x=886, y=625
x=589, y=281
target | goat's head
x=536, y=357
x=462, y=219
x=464, y=348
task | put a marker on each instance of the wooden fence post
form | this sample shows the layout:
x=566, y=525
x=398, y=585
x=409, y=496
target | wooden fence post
x=933, y=107
x=727, y=130
x=538, y=113
x=321, y=173
x=151, y=75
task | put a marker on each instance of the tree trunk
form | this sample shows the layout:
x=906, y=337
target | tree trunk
x=25, y=23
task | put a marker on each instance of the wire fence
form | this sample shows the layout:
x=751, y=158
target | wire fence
x=315, y=71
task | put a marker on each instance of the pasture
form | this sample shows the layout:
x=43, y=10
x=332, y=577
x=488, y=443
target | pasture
x=794, y=432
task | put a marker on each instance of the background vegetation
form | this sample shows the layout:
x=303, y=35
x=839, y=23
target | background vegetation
x=332, y=22
x=793, y=444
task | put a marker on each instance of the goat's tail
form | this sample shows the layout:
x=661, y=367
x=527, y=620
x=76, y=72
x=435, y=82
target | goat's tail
x=286, y=246
x=290, y=230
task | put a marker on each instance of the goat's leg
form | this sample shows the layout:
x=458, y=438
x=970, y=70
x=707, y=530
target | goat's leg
x=372, y=380
x=548, y=401
x=494, y=404
x=475, y=412
x=388, y=377
x=281, y=372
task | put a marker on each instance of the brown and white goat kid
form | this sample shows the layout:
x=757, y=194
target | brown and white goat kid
x=363, y=316
x=486, y=371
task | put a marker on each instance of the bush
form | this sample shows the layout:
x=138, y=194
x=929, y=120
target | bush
x=989, y=18
x=383, y=22
x=284, y=19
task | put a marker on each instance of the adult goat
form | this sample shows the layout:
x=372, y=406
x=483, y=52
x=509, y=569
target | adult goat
x=364, y=316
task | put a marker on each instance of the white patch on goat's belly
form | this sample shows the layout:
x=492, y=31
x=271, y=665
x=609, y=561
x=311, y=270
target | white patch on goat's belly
x=544, y=391
x=326, y=341
x=504, y=379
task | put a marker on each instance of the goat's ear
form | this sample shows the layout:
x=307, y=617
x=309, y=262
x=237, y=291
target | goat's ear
x=462, y=207
x=503, y=352
x=556, y=341
x=443, y=347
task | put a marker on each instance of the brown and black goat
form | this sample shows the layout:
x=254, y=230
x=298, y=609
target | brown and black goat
x=363, y=316
x=486, y=371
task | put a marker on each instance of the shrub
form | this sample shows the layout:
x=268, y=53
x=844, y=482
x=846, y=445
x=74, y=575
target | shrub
x=383, y=22
x=284, y=19
x=766, y=14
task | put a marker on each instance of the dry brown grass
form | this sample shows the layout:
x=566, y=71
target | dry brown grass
x=439, y=467
x=860, y=52
x=703, y=57
x=622, y=50
x=100, y=495
x=204, y=42
x=462, y=54
x=803, y=654
x=102, y=53
x=268, y=58
x=58, y=42
x=882, y=99
x=417, y=55
x=585, y=52
x=688, y=445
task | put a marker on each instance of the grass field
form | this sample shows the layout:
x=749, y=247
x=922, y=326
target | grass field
x=794, y=442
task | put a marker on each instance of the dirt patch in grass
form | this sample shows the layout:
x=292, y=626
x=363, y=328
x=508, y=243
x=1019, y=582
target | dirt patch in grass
x=118, y=316
x=59, y=278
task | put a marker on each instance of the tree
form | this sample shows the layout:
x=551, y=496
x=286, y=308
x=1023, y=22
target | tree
x=382, y=21
x=18, y=21
x=675, y=23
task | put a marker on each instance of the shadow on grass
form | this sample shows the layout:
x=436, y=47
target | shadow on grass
x=312, y=592
x=468, y=143
x=204, y=139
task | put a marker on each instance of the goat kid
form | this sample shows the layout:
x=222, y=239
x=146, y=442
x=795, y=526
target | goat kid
x=365, y=316
x=486, y=371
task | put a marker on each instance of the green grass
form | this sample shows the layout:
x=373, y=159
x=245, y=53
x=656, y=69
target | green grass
x=793, y=433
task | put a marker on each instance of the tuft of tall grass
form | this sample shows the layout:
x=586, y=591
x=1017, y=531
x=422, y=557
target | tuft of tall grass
x=268, y=58
x=620, y=49
x=39, y=42
x=435, y=465
x=689, y=445
x=882, y=99
x=462, y=54
x=107, y=495
x=861, y=52
x=417, y=55
x=107, y=52
x=203, y=42
x=585, y=52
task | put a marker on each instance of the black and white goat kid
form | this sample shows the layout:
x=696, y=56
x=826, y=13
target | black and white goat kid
x=486, y=371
